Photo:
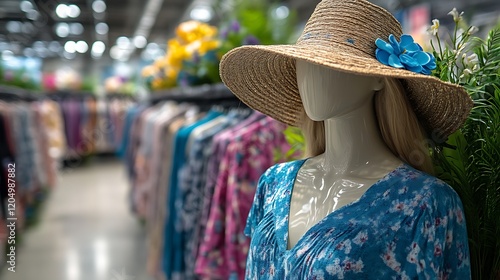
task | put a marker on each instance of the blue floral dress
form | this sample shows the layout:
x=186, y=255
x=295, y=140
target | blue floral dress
x=408, y=225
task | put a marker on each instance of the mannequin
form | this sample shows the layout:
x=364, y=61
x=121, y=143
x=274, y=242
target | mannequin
x=364, y=203
x=355, y=155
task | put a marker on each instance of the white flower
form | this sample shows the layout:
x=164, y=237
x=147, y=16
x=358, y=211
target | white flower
x=473, y=29
x=471, y=60
x=434, y=27
x=466, y=73
x=456, y=17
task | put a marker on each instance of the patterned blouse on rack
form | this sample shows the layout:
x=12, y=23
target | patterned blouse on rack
x=408, y=225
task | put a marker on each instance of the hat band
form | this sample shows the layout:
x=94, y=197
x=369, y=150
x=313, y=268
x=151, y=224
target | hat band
x=336, y=44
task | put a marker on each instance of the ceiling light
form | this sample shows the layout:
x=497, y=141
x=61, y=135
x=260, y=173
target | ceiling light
x=62, y=29
x=28, y=52
x=70, y=47
x=26, y=6
x=201, y=13
x=123, y=42
x=140, y=41
x=101, y=28
x=98, y=47
x=99, y=6
x=28, y=28
x=7, y=55
x=118, y=53
x=69, y=55
x=76, y=28
x=38, y=46
x=62, y=10
x=82, y=47
x=55, y=46
x=281, y=12
x=73, y=11
x=32, y=15
x=14, y=26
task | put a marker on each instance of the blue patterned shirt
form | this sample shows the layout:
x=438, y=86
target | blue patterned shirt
x=408, y=225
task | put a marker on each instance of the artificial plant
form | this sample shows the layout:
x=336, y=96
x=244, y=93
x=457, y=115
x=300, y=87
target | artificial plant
x=470, y=162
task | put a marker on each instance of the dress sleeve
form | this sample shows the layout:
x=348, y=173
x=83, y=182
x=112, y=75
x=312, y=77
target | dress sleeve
x=439, y=246
x=262, y=194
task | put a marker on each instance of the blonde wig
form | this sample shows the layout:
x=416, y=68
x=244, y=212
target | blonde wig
x=399, y=127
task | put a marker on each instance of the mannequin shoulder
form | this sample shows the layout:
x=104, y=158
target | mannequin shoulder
x=433, y=191
x=283, y=170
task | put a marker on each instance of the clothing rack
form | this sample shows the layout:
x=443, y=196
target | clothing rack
x=59, y=95
x=111, y=96
x=8, y=93
x=204, y=96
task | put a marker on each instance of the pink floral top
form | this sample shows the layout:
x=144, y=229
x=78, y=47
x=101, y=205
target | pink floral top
x=223, y=251
x=408, y=225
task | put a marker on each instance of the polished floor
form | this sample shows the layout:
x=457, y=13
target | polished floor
x=86, y=231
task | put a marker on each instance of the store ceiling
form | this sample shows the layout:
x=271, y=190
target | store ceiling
x=33, y=27
x=27, y=23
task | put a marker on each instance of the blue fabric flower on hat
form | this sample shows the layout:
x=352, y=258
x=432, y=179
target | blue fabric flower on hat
x=405, y=54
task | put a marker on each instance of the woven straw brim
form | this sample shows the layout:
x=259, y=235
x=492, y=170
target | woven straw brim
x=264, y=78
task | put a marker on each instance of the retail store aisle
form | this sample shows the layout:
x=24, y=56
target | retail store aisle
x=86, y=231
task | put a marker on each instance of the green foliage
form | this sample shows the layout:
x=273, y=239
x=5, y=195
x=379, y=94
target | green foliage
x=294, y=137
x=18, y=78
x=472, y=168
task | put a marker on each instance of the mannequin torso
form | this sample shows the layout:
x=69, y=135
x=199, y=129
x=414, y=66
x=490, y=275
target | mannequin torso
x=355, y=155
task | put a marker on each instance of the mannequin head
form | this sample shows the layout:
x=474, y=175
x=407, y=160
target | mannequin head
x=327, y=93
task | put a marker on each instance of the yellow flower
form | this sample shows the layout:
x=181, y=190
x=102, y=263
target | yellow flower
x=149, y=70
x=171, y=73
x=207, y=46
x=191, y=31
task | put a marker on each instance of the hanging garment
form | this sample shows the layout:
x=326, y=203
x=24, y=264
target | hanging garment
x=191, y=181
x=158, y=216
x=408, y=225
x=223, y=251
x=179, y=158
x=218, y=149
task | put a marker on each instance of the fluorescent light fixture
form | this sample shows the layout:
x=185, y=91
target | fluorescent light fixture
x=118, y=53
x=62, y=29
x=98, y=47
x=26, y=6
x=281, y=12
x=70, y=47
x=62, y=10
x=201, y=13
x=55, y=46
x=76, y=28
x=140, y=41
x=7, y=55
x=81, y=47
x=28, y=52
x=99, y=6
x=68, y=55
x=32, y=14
x=101, y=28
x=73, y=11
x=123, y=42
x=14, y=26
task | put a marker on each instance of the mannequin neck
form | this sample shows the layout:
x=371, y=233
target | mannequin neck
x=354, y=143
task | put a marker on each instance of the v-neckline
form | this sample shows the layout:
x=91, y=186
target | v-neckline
x=336, y=212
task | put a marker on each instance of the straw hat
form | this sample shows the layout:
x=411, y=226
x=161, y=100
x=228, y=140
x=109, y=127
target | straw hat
x=340, y=35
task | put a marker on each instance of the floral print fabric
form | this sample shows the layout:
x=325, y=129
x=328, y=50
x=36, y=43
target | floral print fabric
x=408, y=225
